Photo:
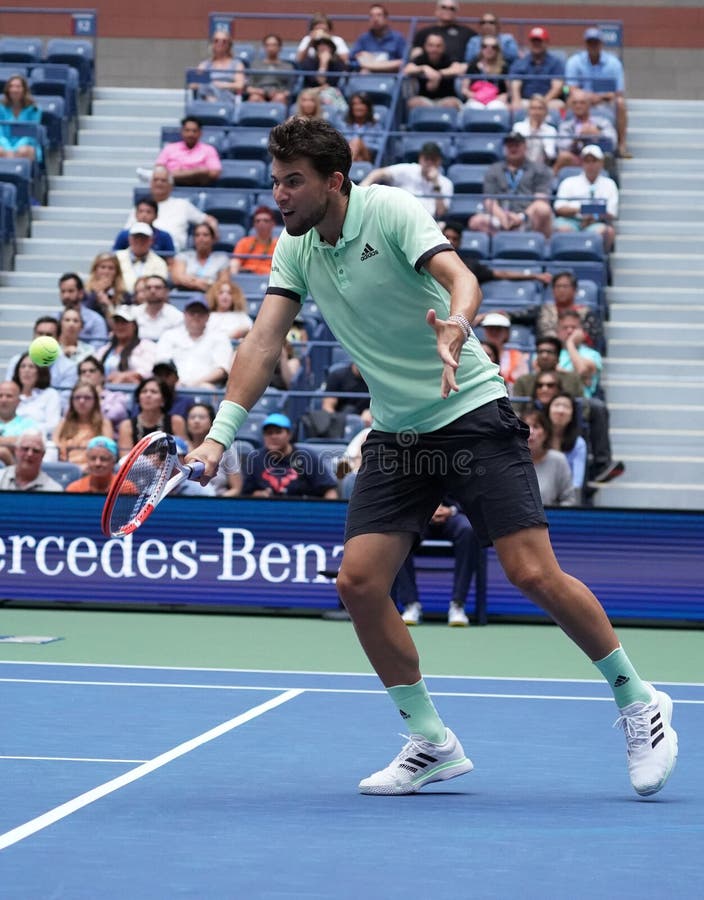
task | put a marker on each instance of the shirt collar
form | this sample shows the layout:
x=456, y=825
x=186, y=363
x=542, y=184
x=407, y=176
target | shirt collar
x=352, y=225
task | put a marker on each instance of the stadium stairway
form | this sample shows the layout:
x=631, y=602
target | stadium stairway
x=88, y=204
x=654, y=371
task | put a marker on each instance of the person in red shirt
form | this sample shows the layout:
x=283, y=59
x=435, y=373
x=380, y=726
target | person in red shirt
x=260, y=244
x=101, y=456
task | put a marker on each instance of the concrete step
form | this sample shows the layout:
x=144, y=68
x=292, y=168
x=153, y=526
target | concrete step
x=664, y=277
x=652, y=345
x=636, y=440
x=645, y=293
x=137, y=95
x=652, y=314
x=623, y=390
x=60, y=229
x=24, y=297
x=663, y=332
x=119, y=199
x=657, y=415
x=691, y=368
x=678, y=244
x=135, y=155
x=646, y=495
x=36, y=246
x=663, y=469
x=645, y=149
x=644, y=208
x=114, y=139
x=658, y=228
x=79, y=260
x=143, y=128
x=663, y=180
x=156, y=110
x=92, y=184
x=684, y=261
x=107, y=169
x=79, y=214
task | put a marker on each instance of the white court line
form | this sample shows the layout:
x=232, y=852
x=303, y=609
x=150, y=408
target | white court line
x=309, y=690
x=66, y=809
x=90, y=759
x=315, y=672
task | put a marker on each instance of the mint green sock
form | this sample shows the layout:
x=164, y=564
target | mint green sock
x=625, y=682
x=417, y=710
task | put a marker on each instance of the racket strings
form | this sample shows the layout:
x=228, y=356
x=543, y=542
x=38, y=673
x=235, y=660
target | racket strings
x=142, y=485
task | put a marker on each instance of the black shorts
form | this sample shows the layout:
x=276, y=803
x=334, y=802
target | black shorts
x=481, y=460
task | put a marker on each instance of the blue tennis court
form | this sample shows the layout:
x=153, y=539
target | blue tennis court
x=148, y=782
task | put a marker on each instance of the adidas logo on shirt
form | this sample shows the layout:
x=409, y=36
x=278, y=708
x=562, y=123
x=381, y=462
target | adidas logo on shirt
x=368, y=252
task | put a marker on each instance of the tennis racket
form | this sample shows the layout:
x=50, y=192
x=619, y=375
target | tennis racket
x=149, y=473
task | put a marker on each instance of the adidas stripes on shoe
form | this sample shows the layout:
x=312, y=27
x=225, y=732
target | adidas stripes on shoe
x=651, y=742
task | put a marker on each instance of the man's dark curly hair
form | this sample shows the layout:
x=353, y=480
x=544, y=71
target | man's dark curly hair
x=315, y=140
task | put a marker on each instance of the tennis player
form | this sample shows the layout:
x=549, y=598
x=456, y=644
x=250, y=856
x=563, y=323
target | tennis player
x=400, y=300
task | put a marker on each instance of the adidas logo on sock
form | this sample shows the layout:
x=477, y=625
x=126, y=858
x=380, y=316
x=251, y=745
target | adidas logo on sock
x=621, y=680
x=404, y=714
x=368, y=252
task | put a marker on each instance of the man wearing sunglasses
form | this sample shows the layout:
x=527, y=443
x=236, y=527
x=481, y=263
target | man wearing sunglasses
x=446, y=25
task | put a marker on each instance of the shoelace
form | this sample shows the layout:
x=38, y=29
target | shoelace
x=635, y=727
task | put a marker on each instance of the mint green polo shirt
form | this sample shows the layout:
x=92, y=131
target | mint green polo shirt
x=374, y=294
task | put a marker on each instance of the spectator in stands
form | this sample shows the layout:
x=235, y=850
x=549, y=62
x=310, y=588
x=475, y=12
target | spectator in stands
x=287, y=368
x=253, y=252
x=271, y=79
x=447, y=524
x=540, y=135
x=228, y=309
x=547, y=353
x=26, y=474
x=563, y=415
x=579, y=128
x=175, y=213
x=72, y=293
x=83, y=420
x=38, y=400
x=156, y=315
x=564, y=292
x=280, y=469
x=12, y=425
x=545, y=387
x=454, y=35
x=529, y=185
x=113, y=404
x=70, y=329
x=105, y=288
x=62, y=372
x=321, y=26
x=490, y=26
x=146, y=211
x=380, y=49
x=153, y=399
x=434, y=75
x=576, y=355
x=101, y=458
x=139, y=295
x=551, y=466
x=492, y=351
x=347, y=380
x=203, y=358
x=139, y=259
x=484, y=273
x=228, y=78
x=198, y=421
x=585, y=67
x=308, y=104
x=497, y=329
x=538, y=72
x=191, y=161
x=198, y=269
x=322, y=63
x=579, y=192
x=424, y=179
x=361, y=127
x=17, y=105
x=126, y=358
x=181, y=402
x=484, y=89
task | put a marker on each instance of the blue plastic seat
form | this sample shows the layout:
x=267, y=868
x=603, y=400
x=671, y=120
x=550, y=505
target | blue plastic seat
x=271, y=401
x=242, y=173
x=508, y=294
x=379, y=88
x=253, y=286
x=409, y=147
x=75, y=52
x=210, y=113
x=54, y=120
x=587, y=246
x=252, y=429
x=432, y=118
x=227, y=206
x=359, y=171
x=475, y=245
x=247, y=143
x=228, y=236
x=57, y=80
x=463, y=206
x=477, y=148
x=20, y=49
x=7, y=70
x=18, y=172
x=63, y=472
x=467, y=179
x=254, y=114
x=518, y=245
x=485, y=120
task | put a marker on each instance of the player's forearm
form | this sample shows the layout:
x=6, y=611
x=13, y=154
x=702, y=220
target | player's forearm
x=251, y=371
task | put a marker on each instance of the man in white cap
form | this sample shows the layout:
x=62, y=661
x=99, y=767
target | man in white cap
x=591, y=70
x=139, y=260
x=589, y=201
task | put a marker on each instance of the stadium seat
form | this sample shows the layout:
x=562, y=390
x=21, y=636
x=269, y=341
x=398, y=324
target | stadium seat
x=271, y=401
x=462, y=206
x=227, y=206
x=242, y=449
x=56, y=80
x=477, y=149
x=228, y=237
x=209, y=113
x=522, y=337
x=251, y=431
x=485, y=120
x=75, y=52
x=63, y=472
x=18, y=172
x=467, y=179
x=246, y=143
x=432, y=118
x=260, y=115
x=359, y=171
x=20, y=50
x=54, y=120
x=475, y=245
x=379, y=88
x=7, y=71
x=513, y=245
x=180, y=299
x=565, y=172
x=410, y=144
x=510, y=294
x=244, y=51
x=253, y=286
x=586, y=246
x=241, y=173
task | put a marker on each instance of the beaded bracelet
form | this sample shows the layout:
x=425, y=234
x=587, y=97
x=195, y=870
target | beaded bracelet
x=463, y=322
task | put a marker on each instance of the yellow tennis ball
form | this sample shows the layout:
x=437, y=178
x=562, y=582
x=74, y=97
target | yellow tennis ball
x=43, y=351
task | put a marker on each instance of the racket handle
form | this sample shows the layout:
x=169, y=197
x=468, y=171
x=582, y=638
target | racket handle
x=197, y=469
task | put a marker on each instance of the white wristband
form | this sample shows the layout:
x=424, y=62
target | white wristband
x=463, y=322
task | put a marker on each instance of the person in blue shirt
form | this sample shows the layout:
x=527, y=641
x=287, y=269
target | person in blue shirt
x=381, y=49
x=146, y=211
x=280, y=469
x=17, y=105
x=538, y=72
x=592, y=70
x=72, y=291
x=490, y=26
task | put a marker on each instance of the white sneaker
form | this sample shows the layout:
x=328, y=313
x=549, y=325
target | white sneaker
x=412, y=614
x=420, y=762
x=456, y=616
x=651, y=742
